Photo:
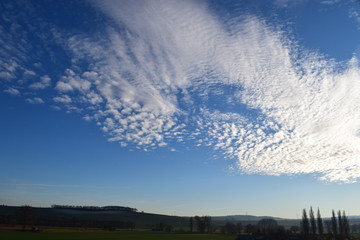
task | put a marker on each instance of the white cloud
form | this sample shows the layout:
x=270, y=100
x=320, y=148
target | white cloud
x=62, y=99
x=93, y=98
x=12, y=91
x=6, y=75
x=35, y=100
x=330, y=2
x=281, y=3
x=354, y=12
x=298, y=114
x=45, y=81
x=162, y=68
x=289, y=3
x=63, y=87
x=71, y=81
x=306, y=123
x=56, y=185
x=29, y=73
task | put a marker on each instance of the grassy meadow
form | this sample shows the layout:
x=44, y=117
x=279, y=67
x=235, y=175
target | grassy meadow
x=70, y=234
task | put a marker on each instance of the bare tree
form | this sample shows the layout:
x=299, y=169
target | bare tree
x=267, y=225
x=26, y=216
x=203, y=223
x=191, y=224
x=207, y=220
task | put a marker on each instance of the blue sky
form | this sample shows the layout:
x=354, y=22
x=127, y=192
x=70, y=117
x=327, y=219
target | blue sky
x=181, y=107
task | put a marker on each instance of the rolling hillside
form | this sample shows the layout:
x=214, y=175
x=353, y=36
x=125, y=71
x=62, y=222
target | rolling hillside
x=100, y=217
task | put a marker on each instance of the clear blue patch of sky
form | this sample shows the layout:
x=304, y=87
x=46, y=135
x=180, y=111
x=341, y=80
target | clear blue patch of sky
x=327, y=29
x=43, y=145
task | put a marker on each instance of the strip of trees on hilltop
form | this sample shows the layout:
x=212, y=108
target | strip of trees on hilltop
x=95, y=208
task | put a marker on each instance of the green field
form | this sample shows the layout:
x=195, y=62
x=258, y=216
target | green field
x=103, y=235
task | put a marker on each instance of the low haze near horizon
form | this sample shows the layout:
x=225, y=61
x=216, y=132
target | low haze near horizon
x=181, y=107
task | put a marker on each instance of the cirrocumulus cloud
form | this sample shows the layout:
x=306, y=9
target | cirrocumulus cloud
x=171, y=71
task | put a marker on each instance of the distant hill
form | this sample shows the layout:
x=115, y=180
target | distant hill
x=74, y=217
x=287, y=223
x=95, y=208
x=126, y=217
x=242, y=218
x=249, y=219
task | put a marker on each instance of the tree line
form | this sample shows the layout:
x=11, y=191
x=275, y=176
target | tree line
x=312, y=226
x=95, y=208
x=28, y=217
x=203, y=224
x=338, y=227
x=265, y=227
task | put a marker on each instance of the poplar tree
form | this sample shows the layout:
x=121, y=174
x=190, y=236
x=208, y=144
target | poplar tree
x=340, y=223
x=305, y=227
x=346, y=225
x=320, y=225
x=312, y=222
x=334, y=224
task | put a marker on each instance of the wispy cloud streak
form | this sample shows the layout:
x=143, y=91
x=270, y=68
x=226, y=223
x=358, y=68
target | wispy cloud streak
x=27, y=185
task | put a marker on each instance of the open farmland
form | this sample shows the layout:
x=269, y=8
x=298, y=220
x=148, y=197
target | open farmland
x=61, y=234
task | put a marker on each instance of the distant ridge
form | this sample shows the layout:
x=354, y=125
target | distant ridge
x=95, y=208
x=243, y=218
x=64, y=215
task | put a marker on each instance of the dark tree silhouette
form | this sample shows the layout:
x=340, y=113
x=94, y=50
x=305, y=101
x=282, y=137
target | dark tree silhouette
x=229, y=228
x=203, y=223
x=239, y=228
x=191, y=224
x=340, y=223
x=267, y=226
x=294, y=229
x=169, y=228
x=159, y=227
x=328, y=226
x=27, y=216
x=250, y=228
x=334, y=228
x=207, y=220
x=355, y=228
x=312, y=222
x=199, y=224
x=320, y=225
x=95, y=208
x=346, y=225
x=305, y=226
